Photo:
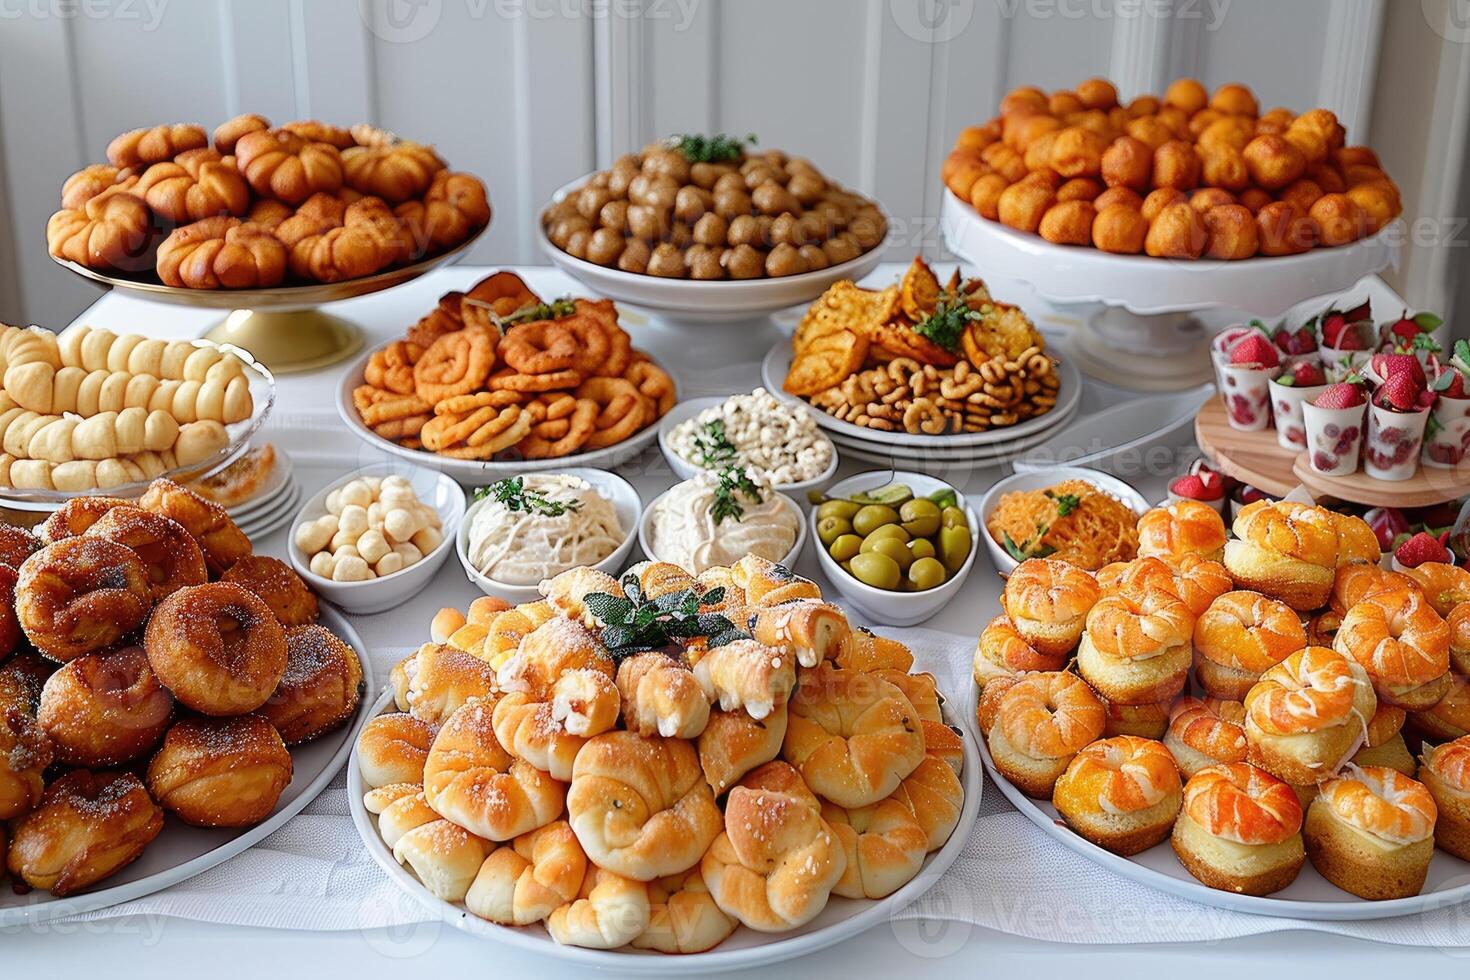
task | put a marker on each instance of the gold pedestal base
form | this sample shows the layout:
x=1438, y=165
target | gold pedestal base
x=289, y=341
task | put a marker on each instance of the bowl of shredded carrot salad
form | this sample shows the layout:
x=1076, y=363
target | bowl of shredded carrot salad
x=1073, y=514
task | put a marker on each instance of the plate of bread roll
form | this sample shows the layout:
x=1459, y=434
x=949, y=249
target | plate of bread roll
x=1263, y=719
x=167, y=699
x=628, y=768
x=93, y=411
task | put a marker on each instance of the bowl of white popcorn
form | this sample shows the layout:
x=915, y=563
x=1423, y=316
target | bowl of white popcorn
x=375, y=538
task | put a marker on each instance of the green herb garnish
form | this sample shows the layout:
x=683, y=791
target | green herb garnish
x=513, y=494
x=633, y=623
x=712, y=448
x=1066, y=502
x=555, y=310
x=734, y=484
x=948, y=323
x=711, y=149
x=1032, y=546
x=948, y=497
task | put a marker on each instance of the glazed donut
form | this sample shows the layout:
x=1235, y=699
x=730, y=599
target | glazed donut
x=1206, y=732
x=1355, y=581
x=1136, y=648
x=278, y=585
x=1394, y=812
x=1286, y=551
x=17, y=544
x=1443, y=584
x=221, y=541
x=1240, y=637
x=171, y=558
x=88, y=826
x=217, y=647
x=1048, y=602
x=105, y=709
x=1122, y=794
x=1040, y=722
x=1240, y=830
x=321, y=688
x=1445, y=772
x=1403, y=644
x=392, y=749
x=25, y=753
x=1308, y=715
x=75, y=516
x=1181, y=528
x=220, y=772
x=79, y=595
x=1002, y=652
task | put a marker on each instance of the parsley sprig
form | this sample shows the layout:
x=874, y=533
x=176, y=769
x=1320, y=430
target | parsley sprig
x=712, y=447
x=711, y=149
x=948, y=323
x=733, y=486
x=633, y=623
x=513, y=494
x=555, y=310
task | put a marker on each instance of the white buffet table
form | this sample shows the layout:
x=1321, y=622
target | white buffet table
x=709, y=361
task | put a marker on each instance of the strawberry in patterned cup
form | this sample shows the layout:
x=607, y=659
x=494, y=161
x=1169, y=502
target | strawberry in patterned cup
x=1348, y=339
x=1222, y=344
x=1203, y=485
x=1397, y=416
x=1421, y=549
x=1388, y=523
x=1293, y=388
x=1247, y=382
x=1334, y=421
x=1418, y=335
x=1447, y=434
x=1297, y=346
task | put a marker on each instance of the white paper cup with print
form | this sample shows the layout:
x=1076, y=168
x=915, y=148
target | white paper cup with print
x=1394, y=440
x=1447, y=434
x=1247, y=393
x=1339, y=365
x=1286, y=411
x=1220, y=349
x=1334, y=438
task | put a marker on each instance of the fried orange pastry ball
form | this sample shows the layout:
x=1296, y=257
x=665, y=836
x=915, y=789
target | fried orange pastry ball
x=1125, y=196
x=1119, y=228
x=1177, y=233
x=1231, y=232
x=1379, y=201
x=1022, y=205
x=1177, y=165
x=1068, y=223
x=1186, y=94
x=1301, y=194
x=1276, y=121
x=1077, y=152
x=1339, y=221
x=1128, y=162
x=1160, y=199
x=985, y=195
x=1273, y=162
x=1232, y=131
x=1151, y=131
x=1080, y=189
x=1206, y=198
x=1097, y=93
x=1284, y=230
x=1235, y=99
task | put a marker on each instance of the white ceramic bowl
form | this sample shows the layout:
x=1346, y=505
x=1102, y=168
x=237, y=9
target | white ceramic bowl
x=684, y=470
x=645, y=531
x=376, y=595
x=625, y=501
x=885, y=607
x=1039, y=480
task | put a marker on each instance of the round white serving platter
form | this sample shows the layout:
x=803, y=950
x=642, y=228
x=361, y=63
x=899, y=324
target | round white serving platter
x=180, y=852
x=745, y=949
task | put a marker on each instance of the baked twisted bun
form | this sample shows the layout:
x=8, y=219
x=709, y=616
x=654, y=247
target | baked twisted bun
x=1445, y=772
x=336, y=243
x=194, y=185
x=139, y=147
x=1205, y=732
x=529, y=730
x=1450, y=717
x=1182, y=528
x=640, y=806
x=221, y=541
x=1240, y=830
x=776, y=863
x=1241, y=636
x=87, y=826
x=746, y=675
x=220, y=772
x=221, y=252
x=768, y=583
x=733, y=743
x=884, y=845
x=217, y=647
x=228, y=133
x=393, y=748
x=29, y=359
x=1122, y=793
x=683, y=916
x=400, y=807
x=934, y=795
x=1355, y=581
x=527, y=879
x=1136, y=648
x=661, y=697
x=90, y=181
x=1003, y=652
x=395, y=172
x=1048, y=602
x=1286, y=551
x=865, y=650
x=444, y=857
x=321, y=688
x=547, y=652
x=171, y=558
x=80, y=595
x=565, y=591
x=75, y=516
x=1443, y=584
x=1370, y=831
x=110, y=231
x=1150, y=720
x=103, y=710
x=320, y=132
x=278, y=586
x=1459, y=623
x=1041, y=721
x=453, y=208
x=1307, y=715
x=25, y=753
x=85, y=475
x=474, y=783
x=807, y=629
x=610, y=911
x=1196, y=581
x=1403, y=644
x=287, y=167
x=441, y=678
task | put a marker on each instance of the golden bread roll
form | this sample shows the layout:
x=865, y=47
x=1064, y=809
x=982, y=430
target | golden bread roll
x=1206, y=732
x=139, y=147
x=29, y=360
x=1403, y=644
x=1285, y=551
x=550, y=650
x=809, y=630
x=103, y=710
x=683, y=916
x=1355, y=581
x=220, y=772
x=400, y=807
x=884, y=845
x=865, y=650
x=1308, y=714
x=1445, y=771
x=1196, y=581
x=530, y=730
x=1459, y=623
x=88, y=826
x=1241, y=636
x=112, y=232
x=767, y=583
x=1122, y=794
x=609, y=911
x=1370, y=831
x=733, y=743
x=660, y=696
x=746, y=675
x=393, y=748
x=1149, y=720
x=934, y=795
x=1048, y=602
x=444, y=857
x=1443, y=584
x=442, y=678
x=1136, y=648
x=222, y=542
x=1356, y=541
x=1180, y=528
x=565, y=591
x=527, y=879
x=1240, y=830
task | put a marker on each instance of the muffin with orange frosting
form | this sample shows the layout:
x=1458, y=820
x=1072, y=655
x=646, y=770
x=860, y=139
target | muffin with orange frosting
x=1205, y=732
x=1122, y=794
x=1048, y=601
x=1136, y=648
x=1240, y=637
x=1196, y=581
x=1402, y=643
x=1307, y=715
x=1370, y=831
x=1041, y=722
x=1286, y=551
x=1184, y=527
x=1445, y=771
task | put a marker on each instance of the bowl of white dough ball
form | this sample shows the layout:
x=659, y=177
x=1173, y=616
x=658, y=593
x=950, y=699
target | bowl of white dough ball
x=376, y=537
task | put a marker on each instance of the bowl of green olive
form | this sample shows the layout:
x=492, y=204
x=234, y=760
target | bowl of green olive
x=897, y=545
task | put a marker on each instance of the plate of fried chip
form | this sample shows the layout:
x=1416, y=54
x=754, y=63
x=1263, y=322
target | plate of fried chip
x=495, y=378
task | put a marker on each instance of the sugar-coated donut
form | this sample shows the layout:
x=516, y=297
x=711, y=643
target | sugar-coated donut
x=88, y=826
x=16, y=545
x=75, y=516
x=217, y=647
x=105, y=709
x=10, y=631
x=80, y=595
x=220, y=772
x=25, y=752
x=221, y=541
x=321, y=688
x=278, y=584
x=170, y=557
x=21, y=680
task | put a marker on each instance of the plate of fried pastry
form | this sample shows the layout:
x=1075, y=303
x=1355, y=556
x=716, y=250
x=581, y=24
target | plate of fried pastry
x=496, y=378
x=1269, y=722
x=716, y=765
x=167, y=699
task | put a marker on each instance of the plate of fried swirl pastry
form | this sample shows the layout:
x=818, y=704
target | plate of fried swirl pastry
x=494, y=378
x=1264, y=720
x=663, y=764
x=167, y=699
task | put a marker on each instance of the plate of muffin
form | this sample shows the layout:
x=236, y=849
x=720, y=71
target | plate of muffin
x=615, y=772
x=168, y=698
x=1263, y=719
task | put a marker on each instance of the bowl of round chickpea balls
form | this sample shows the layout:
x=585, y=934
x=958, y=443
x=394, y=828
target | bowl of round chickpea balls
x=709, y=228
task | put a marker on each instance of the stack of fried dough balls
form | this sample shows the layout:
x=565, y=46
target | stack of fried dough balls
x=154, y=665
x=260, y=205
x=1187, y=175
x=1246, y=694
x=660, y=798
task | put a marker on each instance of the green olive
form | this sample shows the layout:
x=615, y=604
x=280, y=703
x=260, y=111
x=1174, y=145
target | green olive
x=892, y=547
x=895, y=531
x=829, y=529
x=920, y=517
x=921, y=548
x=892, y=495
x=845, y=547
x=877, y=569
x=926, y=573
x=953, y=517
x=838, y=508
x=954, y=547
x=873, y=516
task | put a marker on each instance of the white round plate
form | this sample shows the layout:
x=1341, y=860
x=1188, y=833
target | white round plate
x=778, y=360
x=645, y=525
x=1144, y=285
x=276, y=485
x=264, y=522
x=473, y=472
x=842, y=919
x=181, y=851
x=697, y=301
x=871, y=448
x=1040, y=480
x=684, y=470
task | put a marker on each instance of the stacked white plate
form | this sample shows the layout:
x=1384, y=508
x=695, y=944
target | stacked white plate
x=274, y=506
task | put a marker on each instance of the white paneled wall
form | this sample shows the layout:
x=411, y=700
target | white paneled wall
x=532, y=93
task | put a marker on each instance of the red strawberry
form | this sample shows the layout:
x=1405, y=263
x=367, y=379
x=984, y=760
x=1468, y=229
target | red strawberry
x=1387, y=523
x=1299, y=341
x=1363, y=311
x=1388, y=365
x=1247, y=494
x=1341, y=395
x=1399, y=392
x=1195, y=487
x=1332, y=327
x=1450, y=384
x=1254, y=349
x=1403, y=330
x=1307, y=374
x=1422, y=548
